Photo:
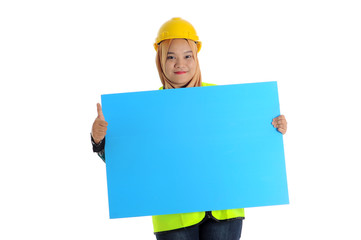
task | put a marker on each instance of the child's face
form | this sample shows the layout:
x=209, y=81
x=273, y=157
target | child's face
x=180, y=65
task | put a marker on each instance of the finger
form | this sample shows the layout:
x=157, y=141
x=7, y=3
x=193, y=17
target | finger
x=99, y=126
x=274, y=123
x=282, y=126
x=276, y=119
x=99, y=134
x=100, y=112
x=281, y=123
x=282, y=130
x=100, y=122
x=279, y=120
x=100, y=129
x=280, y=117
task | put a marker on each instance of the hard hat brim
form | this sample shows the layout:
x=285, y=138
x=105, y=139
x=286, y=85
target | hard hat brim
x=198, y=43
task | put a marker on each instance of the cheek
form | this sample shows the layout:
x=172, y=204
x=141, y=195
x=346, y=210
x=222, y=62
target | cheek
x=193, y=66
x=168, y=68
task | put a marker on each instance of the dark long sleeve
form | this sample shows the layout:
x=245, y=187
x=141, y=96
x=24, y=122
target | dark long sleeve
x=99, y=148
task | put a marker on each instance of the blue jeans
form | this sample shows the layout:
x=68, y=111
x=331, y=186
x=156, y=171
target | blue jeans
x=206, y=230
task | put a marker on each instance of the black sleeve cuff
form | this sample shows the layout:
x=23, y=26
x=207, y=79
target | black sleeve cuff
x=97, y=147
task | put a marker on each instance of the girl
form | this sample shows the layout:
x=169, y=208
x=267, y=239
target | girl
x=177, y=46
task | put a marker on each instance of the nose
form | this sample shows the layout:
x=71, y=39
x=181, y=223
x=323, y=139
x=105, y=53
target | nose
x=179, y=63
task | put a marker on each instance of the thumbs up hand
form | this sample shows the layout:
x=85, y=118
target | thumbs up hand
x=99, y=128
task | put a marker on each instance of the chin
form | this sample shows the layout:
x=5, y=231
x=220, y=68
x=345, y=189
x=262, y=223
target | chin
x=182, y=81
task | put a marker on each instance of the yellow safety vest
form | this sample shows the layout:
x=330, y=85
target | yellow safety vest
x=174, y=221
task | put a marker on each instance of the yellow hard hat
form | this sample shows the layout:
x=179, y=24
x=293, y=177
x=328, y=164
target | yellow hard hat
x=177, y=28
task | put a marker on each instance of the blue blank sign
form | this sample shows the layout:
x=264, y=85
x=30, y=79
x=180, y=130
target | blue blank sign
x=194, y=149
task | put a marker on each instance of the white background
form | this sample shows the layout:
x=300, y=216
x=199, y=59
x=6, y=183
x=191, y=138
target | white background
x=58, y=57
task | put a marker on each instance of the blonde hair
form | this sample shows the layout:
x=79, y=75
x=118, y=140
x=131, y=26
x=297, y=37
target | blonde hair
x=161, y=58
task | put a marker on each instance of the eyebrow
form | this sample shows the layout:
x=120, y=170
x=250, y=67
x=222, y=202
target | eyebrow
x=184, y=52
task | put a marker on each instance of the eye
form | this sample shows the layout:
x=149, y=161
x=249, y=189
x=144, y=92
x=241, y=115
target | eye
x=170, y=57
x=189, y=56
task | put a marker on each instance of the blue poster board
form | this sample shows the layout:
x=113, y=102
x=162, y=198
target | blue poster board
x=194, y=149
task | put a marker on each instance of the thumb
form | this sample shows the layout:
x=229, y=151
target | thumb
x=100, y=112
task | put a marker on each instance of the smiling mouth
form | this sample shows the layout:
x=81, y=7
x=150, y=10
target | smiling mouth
x=180, y=72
